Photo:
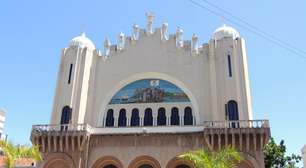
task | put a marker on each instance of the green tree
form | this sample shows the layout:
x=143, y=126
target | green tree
x=228, y=157
x=14, y=152
x=275, y=156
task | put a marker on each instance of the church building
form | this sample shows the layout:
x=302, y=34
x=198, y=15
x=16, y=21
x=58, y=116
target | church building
x=148, y=98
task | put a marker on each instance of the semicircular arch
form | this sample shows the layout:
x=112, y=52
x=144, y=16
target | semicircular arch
x=148, y=75
x=174, y=162
x=58, y=160
x=144, y=160
x=248, y=160
x=106, y=161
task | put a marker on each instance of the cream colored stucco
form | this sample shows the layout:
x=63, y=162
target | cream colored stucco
x=203, y=77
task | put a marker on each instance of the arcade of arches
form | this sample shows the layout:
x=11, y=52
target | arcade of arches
x=149, y=162
x=140, y=163
x=135, y=118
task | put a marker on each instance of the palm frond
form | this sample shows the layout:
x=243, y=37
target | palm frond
x=227, y=157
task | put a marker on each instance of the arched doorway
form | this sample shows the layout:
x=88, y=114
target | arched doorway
x=245, y=164
x=144, y=162
x=178, y=163
x=58, y=164
x=145, y=166
x=110, y=166
x=66, y=117
x=182, y=166
x=232, y=110
x=58, y=160
x=107, y=162
x=232, y=113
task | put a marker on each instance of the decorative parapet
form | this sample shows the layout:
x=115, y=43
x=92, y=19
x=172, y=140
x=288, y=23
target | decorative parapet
x=237, y=124
x=245, y=135
x=41, y=129
x=137, y=33
x=60, y=138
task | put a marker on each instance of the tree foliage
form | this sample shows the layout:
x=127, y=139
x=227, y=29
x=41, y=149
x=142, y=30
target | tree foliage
x=224, y=158
x=275, y=156
x=14, y=152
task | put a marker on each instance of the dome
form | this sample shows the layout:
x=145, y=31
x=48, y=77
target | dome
x=225, y=31
x=82, y=41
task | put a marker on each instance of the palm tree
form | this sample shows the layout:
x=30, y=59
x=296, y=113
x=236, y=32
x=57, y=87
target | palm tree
x=227, y=157
x=14, y=152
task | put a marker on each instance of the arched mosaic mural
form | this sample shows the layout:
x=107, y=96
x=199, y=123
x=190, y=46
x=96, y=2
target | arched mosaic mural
x=149, y=91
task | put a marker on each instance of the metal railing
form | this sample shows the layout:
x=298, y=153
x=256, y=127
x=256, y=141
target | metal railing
x=62, y=128
x=237, y=124
x=206, y=124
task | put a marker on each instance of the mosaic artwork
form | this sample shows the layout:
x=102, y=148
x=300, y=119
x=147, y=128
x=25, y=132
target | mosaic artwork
x=149, y=91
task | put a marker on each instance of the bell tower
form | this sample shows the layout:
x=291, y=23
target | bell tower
x=229, y=72
x=70, y=99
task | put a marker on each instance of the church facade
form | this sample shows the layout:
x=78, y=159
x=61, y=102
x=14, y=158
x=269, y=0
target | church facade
x=149, y=98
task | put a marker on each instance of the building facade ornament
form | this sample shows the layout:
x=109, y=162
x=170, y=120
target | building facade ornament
x=164, y=32
x=107, y=46
x=135, y=34
x=121, y=41
x=194, y=45
x=179, y=41
x=150, y=19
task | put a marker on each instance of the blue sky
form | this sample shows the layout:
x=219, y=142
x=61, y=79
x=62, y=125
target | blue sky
x=34, y=32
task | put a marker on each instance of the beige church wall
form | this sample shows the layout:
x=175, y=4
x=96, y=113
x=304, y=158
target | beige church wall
x=203, y=77
x=129, y=148
x=160, y=147
x=151, y=58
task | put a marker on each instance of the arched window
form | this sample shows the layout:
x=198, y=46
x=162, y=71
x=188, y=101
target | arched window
x=161, y=116
x=109, y=166
x=188, y=118
x=122, y=118
x=148, y=117
x=182, y=166
x=175, y=117
x=135, y=121
x=232, y=113
x=66, y=115
x=145, y=166
x=232, y=110
x=109, y=118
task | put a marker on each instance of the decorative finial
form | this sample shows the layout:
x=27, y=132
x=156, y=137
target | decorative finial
x=135, y=34
x=179, y=41
x=194, y=45
x=164, y=32
x=121, y=41
x=107, y=45
x=150, y=18
x=83, y=34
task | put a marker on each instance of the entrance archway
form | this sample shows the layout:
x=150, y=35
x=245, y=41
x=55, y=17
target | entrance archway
x=58, y=160
x=144, y=162
x=58, y=164
x=178, y=163
x=107, y=162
